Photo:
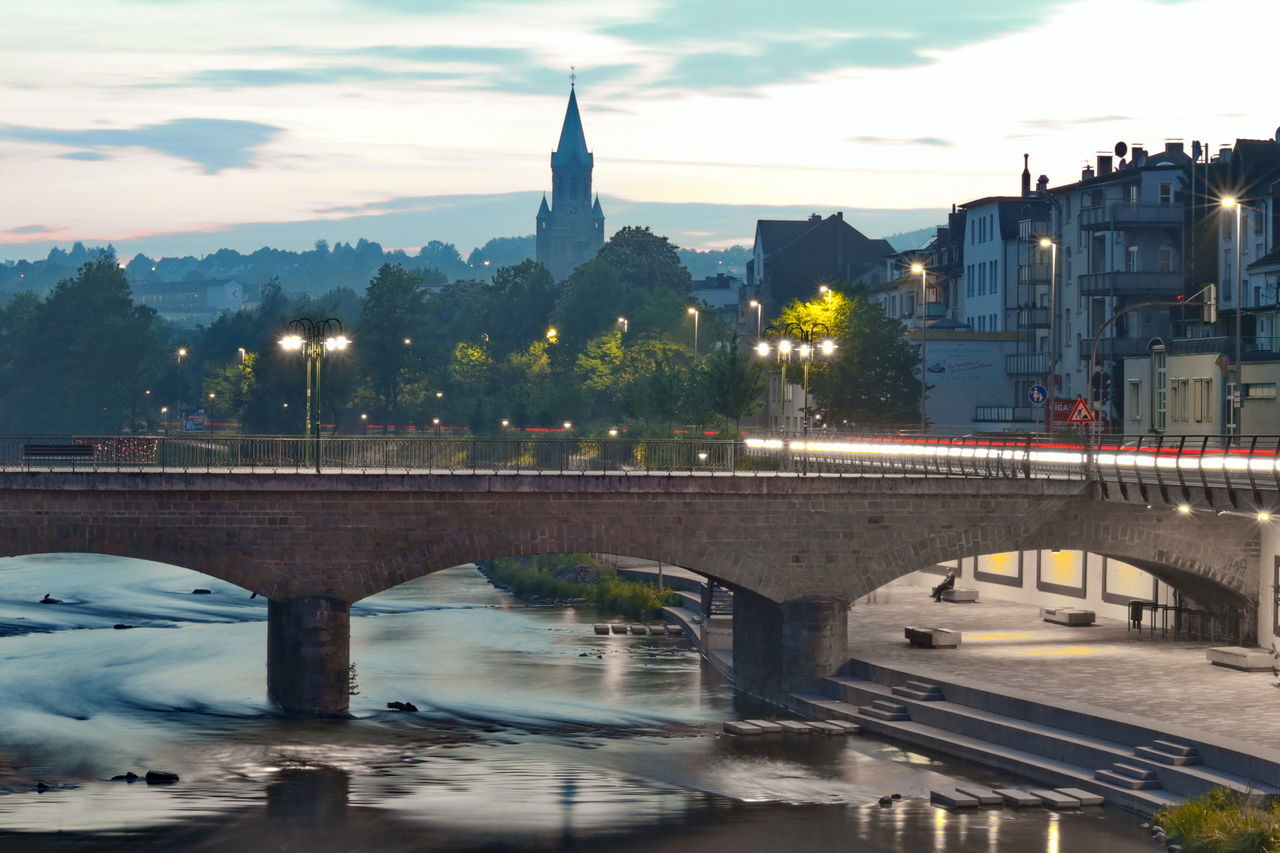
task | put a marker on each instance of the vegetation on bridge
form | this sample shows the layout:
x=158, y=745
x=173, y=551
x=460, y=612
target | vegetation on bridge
x=1224, y=821
x=578, y=577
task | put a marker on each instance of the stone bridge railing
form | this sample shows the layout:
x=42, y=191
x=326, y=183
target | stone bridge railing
x=1181, y=464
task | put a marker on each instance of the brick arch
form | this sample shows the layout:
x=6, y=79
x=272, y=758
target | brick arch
x=346, y=537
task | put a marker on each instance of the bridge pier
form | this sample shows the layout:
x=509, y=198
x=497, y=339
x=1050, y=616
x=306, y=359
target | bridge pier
x=308, y=655
x=780, y=648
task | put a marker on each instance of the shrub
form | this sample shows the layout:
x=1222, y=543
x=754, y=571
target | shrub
x=574, y=576
x=1223, y=821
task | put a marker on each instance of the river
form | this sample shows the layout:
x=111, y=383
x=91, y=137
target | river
x=533, y=734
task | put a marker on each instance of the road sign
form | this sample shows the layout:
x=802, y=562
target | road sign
x=1037, y=394
x=1081, y=414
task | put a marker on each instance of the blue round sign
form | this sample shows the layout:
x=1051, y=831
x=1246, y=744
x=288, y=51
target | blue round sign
x=1037, y=394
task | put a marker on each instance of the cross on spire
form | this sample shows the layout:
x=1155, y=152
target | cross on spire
x=573, y=75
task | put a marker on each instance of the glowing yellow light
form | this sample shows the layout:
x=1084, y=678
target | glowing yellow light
x=824, y=290
x=1045, y=242
x=1264, y=516
x=805, y=350
x=762, y=349
x=552, y=334
x=828, y=347
x=289, y=342
x=917, y=268
x=754, y=304
x=691, y=310
x=1184, y=509
x=784, y=346
x=1229, y=201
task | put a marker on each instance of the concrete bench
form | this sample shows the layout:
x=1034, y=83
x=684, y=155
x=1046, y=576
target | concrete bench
x=1238, y=657
x=1068, y=616
x=958, y=596
x=932, y=638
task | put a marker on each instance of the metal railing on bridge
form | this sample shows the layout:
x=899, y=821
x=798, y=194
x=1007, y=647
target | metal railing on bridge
x=1239, y=463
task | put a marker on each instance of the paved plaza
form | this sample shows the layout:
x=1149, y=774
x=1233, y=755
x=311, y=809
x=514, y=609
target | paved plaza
x=1006, y=644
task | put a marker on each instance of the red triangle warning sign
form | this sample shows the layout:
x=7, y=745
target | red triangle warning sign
x=1080, y=414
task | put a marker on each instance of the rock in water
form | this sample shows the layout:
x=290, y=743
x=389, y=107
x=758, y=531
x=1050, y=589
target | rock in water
x=41, y=787
x=123, y=627
x=161, y=777
x=126, y=777
x=202, y=592
x=48, y=599
x=885, y=801
x=402, y=706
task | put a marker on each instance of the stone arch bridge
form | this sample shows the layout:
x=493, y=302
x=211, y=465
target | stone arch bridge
x=797, y=550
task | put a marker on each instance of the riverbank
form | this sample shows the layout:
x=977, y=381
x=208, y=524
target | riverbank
x=570, y=579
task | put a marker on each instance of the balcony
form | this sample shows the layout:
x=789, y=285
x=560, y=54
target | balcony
x=1027, y=364
x=1113, y=349
x=1124, y=217
x=1034, y=229
x=1153, y=284
x=1007, y=414
x=1033, y=318
x=1032, y=274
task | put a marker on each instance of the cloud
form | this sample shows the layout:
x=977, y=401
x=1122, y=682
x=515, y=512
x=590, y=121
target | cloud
x=213, y=144
x=934, y=141
x=34, y=229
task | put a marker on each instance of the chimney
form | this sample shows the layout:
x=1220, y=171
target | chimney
x=1104, y=164
x=1173, y=146
x=840, y=215
x=1026, y=176
x=1224, y=154
x=815, y=217
x=1086, y=173
x=1138, y=156
x=1042, y=185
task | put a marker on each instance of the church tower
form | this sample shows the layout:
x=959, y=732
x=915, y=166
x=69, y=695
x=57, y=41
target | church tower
x=571, y=229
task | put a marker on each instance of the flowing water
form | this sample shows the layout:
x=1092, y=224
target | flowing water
x=533, y=734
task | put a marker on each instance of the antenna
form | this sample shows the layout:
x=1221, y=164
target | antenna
x=1121, y=149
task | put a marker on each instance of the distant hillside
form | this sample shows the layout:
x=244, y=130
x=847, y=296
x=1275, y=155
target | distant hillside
x=907, y=240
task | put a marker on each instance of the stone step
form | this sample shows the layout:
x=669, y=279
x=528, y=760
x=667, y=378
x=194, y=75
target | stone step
x=984, y=796
x=1086, y=798
x=826, y=727
x=1055, y=799
x=889, y=705
x=1152, y=754
x=796, y=727
x=766, y=726
x=1175, y=748
x=1017, y=797
x=846, y=726
x=1133, y=772
x=1125, y=781
x=919, y=691
x=951, y=798
x=884, y=714
x=740, y=728
x=618, y=628
x=601, y=628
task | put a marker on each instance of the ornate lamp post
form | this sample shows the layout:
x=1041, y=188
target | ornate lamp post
x=314, y=338
x=803, y=342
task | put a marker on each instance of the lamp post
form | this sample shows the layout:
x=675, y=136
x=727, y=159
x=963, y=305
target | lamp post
x=1051, y=379
x=919, y=270
x=622, y=321
x=806, y=341
x=693, y=312
x=314, y=338
x=759, y=306
x=1237, y=391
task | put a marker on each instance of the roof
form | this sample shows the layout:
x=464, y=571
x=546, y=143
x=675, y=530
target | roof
x=573, y=142
x=1270, y=259
x=773, y=234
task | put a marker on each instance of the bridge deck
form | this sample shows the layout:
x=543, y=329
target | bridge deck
x=1105, y=666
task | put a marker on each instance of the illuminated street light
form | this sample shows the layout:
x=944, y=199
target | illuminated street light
x=1051, y=382
x=759, y=306
x=553, y=334
x=622, y=321
x=805, y=341
x=1237, y=390
x=1264, y=516
x=694, y=313
x=1184, y=509
x=314, y=339
x=918, y=269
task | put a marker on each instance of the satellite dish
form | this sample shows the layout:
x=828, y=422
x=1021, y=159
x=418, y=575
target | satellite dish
x=1121, y=149
x=1278, y=134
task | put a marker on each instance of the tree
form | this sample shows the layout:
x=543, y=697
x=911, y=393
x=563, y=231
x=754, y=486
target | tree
x=734, y=383
x=872, y=377
x=390, y=320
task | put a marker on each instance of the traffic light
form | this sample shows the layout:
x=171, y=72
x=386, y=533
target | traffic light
x=1209, y=308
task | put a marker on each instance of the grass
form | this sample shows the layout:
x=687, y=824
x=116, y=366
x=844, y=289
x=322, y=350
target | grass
x=579, y=576
x=1224, y=821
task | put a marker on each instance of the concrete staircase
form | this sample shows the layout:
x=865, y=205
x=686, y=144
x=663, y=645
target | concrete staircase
x=1133, y=766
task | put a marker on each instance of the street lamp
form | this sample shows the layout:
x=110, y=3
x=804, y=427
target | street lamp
x=436, y=423
x=1237, y=391
x=693, y=312
x=759, y=306
x=313, y=338
x=1051, y=379
x=622, y=321
x=806, y=342
x=919, y=270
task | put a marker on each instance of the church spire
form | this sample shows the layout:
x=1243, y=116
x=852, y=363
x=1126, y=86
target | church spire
x=573, y=142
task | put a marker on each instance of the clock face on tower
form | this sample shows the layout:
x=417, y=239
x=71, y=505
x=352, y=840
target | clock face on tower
x=573, y=210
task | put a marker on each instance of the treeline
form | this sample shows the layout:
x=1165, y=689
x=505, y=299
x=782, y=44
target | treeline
x=614, y=345
x=323, y=268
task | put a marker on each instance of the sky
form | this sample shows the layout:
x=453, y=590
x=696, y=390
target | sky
x=175, y=126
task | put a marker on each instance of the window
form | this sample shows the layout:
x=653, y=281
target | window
x=1260, y=390
x=1133, y=403
x=1131, y=259
x=968, y=280
x=1197, y=399
x=1206, y=400
x=1131, y=194
x=1166, y=259
x=1178, y=400
x=1158, y=414
x=1166, y=192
